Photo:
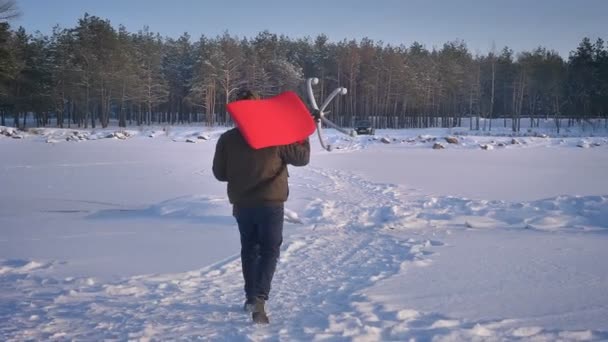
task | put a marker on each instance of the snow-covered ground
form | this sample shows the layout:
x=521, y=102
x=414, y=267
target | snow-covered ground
x=111, y=234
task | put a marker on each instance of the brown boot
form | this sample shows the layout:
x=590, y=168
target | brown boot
x=259, y=313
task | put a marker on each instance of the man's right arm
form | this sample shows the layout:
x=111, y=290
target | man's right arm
x=219, y=161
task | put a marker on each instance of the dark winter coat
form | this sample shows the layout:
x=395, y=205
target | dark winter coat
x=256, y=177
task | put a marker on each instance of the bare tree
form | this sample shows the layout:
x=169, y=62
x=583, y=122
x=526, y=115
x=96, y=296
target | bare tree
x=227, y=61
x=8, y=10
x=493, y=63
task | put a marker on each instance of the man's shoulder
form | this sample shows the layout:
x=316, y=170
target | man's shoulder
x=231, y=133
x=232, y=136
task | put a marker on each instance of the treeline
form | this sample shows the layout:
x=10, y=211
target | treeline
x=93, y=74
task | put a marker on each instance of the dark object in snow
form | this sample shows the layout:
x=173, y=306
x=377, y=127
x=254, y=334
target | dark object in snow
x=486, y=147
x=438, y=146
x=386, y=140
x=364, y=127
x=514, y=142
x=451, y=140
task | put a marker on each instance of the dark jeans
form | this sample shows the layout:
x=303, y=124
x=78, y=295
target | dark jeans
x=261, y=231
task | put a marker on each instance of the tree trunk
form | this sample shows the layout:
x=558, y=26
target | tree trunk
x=102, y=106
x=491, y=113
x=87, y=108
x=149, y=114
x=122, y=122
x=70, y=110
x=478, y=96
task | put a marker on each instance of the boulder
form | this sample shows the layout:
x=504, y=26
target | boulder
x=120, y=135
x=438, y=146
x=37, y=131
x=452, y=140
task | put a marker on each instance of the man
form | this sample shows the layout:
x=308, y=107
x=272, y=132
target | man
x=257, y=189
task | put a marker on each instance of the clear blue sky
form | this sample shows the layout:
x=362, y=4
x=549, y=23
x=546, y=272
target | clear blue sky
x=519, y=24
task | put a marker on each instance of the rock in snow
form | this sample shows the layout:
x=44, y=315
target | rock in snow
x=452, y=140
